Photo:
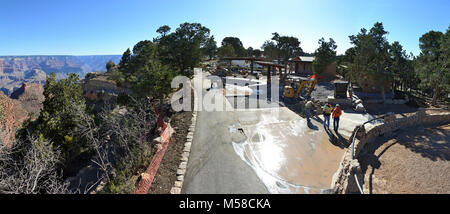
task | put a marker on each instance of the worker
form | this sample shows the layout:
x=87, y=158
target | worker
x=327, y=109
x=337, y=112
x=308, y=107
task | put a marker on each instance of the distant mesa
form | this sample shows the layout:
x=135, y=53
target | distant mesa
x=17, y=70
x=29, y=92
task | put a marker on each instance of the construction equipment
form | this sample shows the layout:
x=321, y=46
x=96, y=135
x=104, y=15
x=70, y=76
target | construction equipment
x=291, y=90
x=340, y=89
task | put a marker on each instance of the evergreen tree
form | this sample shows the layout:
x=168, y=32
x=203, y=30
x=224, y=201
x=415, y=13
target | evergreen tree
x=324, y=55
x=433, y=63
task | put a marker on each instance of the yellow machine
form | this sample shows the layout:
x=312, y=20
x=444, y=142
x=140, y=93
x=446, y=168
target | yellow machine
x=290, y=92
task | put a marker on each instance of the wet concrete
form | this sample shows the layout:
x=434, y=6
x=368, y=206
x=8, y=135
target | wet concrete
x=265, y=150
x=213, y=166
x=349, y=120
x=286, y=153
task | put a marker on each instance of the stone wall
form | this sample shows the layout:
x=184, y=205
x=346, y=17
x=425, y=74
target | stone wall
x=343, y=181
x=100, y=88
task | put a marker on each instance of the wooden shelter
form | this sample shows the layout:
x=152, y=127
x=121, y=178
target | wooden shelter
x=251, y=59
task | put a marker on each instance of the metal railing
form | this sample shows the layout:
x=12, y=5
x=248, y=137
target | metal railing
x=353, y=147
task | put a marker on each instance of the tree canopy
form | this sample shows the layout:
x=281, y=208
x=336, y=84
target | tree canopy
x=236, y=44
x=287, y=46
x=401, y=66
x=144, y=73
x=324, y=55
x=371, y=57
x=270, y=49
x=433, y=63
x=60, y=116
x=210, y=48
x=226, y=51
x=183, y=49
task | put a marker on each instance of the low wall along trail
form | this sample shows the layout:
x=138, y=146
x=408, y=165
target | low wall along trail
x=344, y=180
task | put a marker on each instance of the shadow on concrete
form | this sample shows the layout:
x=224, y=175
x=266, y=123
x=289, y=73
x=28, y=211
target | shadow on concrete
x=337, y=139
x=312, y=126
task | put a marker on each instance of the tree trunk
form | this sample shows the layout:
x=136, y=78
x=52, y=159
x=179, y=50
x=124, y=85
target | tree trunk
x=383, y=93
x=435, y=95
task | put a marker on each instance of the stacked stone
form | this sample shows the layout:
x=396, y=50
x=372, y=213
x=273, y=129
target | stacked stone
x=176, y=189
x=343, y=181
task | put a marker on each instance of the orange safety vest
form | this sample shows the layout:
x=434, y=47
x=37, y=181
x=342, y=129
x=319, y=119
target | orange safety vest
x=337, y=112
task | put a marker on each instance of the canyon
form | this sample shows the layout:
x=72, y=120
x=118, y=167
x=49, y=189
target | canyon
x=17, y=70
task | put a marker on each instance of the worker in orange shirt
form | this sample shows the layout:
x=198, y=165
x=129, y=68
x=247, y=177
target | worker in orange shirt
x=337, y=112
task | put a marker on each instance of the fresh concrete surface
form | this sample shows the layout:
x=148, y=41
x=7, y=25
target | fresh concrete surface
x=349, y=120
x=288, y=154
x=213, y=166
x=265, y=150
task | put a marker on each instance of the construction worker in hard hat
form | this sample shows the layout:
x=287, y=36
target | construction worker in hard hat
x=308, y=107
x=327, y=109
x=337, y=112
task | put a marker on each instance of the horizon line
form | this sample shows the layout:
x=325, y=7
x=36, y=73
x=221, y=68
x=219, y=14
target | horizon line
x=25, y=55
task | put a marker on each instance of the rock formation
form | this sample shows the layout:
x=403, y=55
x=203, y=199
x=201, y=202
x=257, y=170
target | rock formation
x=24, y=102
x=16, y=70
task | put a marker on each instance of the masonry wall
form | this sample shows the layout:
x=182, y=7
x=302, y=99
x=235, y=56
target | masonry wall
x=343, y=181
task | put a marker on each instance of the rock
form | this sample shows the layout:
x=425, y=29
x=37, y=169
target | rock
x=175, y=190
x=13, y=115
x=184, y=159
x=186, y=149
x=144, y=176
x=171, y=130
x=185, y=154
x=181, y=171
x=178, y=184
x=183, y=165
x=158, y=140
x=360, y=108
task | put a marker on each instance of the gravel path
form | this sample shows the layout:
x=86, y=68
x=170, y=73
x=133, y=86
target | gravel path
x=322, y=91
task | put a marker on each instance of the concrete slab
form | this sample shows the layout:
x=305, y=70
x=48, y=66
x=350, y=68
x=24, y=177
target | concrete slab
x=349, y=120
x=264, y=150
x=286, y=153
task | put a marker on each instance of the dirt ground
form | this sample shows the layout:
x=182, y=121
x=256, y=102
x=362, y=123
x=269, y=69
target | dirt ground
x=322, y=91
x=414, y=161
x=166, y=176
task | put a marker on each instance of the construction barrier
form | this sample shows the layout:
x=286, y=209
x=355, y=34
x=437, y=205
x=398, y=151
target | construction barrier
x=149, y=175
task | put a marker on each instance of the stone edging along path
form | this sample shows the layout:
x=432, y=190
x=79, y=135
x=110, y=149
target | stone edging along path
x=176, y=189
x=343, y=181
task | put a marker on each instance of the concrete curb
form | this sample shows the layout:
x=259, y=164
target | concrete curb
x=176, y=189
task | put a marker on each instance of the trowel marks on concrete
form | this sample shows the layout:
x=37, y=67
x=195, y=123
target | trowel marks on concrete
x=287, y=156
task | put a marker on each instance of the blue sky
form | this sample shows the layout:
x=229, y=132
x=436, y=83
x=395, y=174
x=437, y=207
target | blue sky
x=91, y=27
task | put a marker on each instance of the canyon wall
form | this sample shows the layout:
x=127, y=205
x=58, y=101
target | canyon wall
x=16, y=70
